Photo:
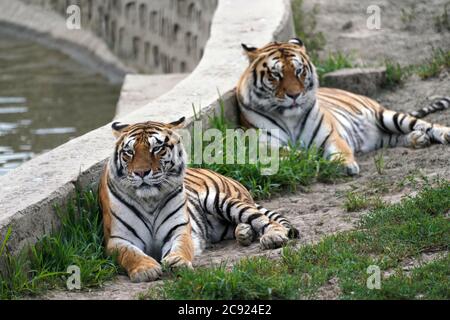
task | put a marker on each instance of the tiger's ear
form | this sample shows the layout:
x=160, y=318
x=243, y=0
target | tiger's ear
x=118, y=128
x=177, y=124
x=298, y=42
x=251, y=52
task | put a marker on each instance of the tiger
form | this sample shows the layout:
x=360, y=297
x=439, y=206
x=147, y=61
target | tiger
x=279, y=92
x=157, y=211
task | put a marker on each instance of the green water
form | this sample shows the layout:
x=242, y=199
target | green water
x=46, y=99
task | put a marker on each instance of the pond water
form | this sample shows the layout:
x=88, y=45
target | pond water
x=46, y=99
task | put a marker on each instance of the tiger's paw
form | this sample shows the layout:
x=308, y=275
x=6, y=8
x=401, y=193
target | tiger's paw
x=244, y=234
x=443, y=135
x=274, y=239
x=177, y=260
x=419, y=139
x=146, y=271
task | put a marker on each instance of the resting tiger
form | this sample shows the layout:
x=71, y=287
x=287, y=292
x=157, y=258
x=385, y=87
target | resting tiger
x=155, y=209
x=280, y=90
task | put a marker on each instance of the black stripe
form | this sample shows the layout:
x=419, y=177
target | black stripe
x=195, y=218
x=171, y=231
x=132, y=208
x=121, y=238
x=322, y=145
x=302, y=125
x=169, y=216
x=268, y=118
x=316, y=130
x=395, y=120
x=166, y=201
x=264, y=227
x=241, y=212
x=412, y=124
x=381, y=121
x=130, y=228
x=253, y=217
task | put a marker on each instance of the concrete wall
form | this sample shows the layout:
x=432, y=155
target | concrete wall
x=28, y=194
x=150, y=36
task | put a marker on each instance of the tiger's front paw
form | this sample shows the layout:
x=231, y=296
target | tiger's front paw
x=145, y=271
x=274, y=239
x=419, y=139
x=177, y=260
x=244, y=234
x=444, y=136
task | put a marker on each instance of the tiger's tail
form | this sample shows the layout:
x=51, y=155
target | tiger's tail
x=277, y=217
x=438, y=104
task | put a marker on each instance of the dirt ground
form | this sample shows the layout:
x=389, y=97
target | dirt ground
x=319, y=211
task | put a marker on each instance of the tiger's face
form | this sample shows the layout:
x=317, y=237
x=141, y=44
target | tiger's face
x=280, y=77
x=149, y=156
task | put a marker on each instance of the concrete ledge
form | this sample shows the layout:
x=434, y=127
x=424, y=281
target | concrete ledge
x=365, y=81
x=49, y=29
x=28, y=193
x=138, y=90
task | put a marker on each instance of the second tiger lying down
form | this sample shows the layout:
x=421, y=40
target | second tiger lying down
x=155, y=209
x=280, y=90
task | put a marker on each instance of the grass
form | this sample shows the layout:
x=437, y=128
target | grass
x=305, y=24
x=395, y=74
x=379, y=162
x=386, y=237
x=355, y=201
x=442, y=22
x=297, y=167
x=44, y=265
x=433, y=66
x=333, y=62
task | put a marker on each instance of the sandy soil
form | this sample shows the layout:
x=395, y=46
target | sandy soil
x=319, y=211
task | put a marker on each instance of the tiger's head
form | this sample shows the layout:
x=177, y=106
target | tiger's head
x=279, y=78
x=149, y=157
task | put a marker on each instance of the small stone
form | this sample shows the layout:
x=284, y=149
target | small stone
x=365, y=81
x=348, y=25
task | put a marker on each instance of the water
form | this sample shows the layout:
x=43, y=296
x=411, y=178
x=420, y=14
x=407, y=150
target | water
x=46, y=99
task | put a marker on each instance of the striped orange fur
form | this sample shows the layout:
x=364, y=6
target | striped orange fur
x=155, y=210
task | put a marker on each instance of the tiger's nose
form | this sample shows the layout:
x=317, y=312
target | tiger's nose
x=141, y=173
x=293, y=96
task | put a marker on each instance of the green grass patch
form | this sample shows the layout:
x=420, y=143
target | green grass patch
x=44, y=265
x=385, y=237
x=333, y=62
x=356, y=201
x=296, y=166
x=433, y=66
x=305, y=24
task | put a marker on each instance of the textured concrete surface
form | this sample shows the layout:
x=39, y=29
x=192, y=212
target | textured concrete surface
x=138, y=89
x=365, y=81
x=49, y=29
x=149, y=36
x=407, y=31
x=28, y=193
